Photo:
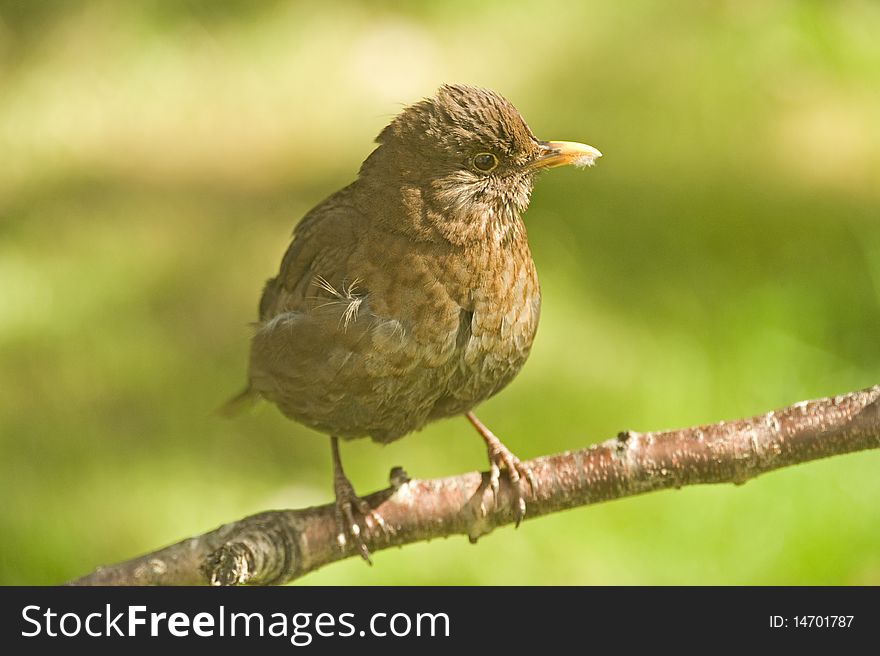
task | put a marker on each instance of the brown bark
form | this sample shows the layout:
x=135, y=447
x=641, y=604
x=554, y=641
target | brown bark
x=280, y=546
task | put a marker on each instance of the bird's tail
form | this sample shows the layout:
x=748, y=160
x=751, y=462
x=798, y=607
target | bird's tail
x=238, y=403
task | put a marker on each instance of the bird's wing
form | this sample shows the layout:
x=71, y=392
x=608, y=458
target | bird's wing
x=327, y=234
x=311, y=352
x=342, y=345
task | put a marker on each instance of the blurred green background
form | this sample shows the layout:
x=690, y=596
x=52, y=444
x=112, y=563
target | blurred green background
x=722, y=260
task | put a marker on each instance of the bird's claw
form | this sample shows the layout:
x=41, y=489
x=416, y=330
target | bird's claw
x=349, y=504
x=500, y=455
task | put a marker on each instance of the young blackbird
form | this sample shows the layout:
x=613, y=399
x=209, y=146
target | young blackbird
x=411, y=295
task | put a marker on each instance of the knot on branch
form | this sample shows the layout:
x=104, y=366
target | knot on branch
x=261, y=553
x=231, y=564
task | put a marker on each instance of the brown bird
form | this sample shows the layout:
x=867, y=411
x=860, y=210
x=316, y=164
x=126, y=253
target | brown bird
x=411, y=294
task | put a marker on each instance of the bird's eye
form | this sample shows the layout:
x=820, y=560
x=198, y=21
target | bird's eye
x=485, y=162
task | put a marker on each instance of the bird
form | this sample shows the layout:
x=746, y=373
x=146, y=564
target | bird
x=410, y=295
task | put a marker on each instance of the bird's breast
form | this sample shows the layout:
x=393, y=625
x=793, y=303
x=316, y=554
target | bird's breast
x=499, y=298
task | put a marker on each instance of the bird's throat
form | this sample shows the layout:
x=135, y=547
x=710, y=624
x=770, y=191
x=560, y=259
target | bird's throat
x=467, y=214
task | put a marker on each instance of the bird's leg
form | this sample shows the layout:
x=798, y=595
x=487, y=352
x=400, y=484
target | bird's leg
x=500, y=455
x=347, y=503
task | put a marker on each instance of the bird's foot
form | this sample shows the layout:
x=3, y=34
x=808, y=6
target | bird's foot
x=351, y=527
x=500, y=456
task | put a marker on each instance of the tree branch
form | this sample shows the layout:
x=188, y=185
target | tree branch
x=280, y=546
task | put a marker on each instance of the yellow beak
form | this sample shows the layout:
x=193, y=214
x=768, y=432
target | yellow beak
x=563, y=153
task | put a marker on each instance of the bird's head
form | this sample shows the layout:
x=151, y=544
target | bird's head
x=471, y=157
